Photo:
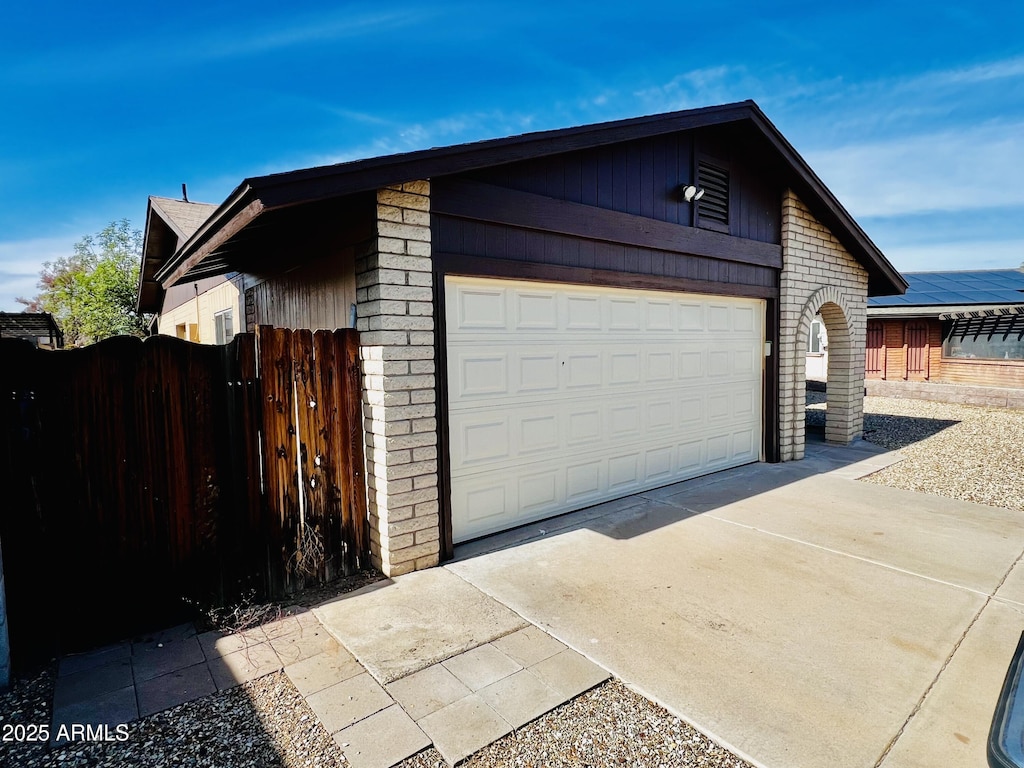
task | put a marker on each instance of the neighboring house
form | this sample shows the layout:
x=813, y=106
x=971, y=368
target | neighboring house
x=39, y=328
x=950, y=328
x=553, y=320
x=206, y=311
x=817, y=350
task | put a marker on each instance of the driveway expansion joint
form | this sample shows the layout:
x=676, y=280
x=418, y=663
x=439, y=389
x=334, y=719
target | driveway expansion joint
x=945, y=664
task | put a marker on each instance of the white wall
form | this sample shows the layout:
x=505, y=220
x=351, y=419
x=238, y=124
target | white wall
x=194, y=320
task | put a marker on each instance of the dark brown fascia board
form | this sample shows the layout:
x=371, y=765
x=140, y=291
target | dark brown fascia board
x=143, y=277
x=232, y=216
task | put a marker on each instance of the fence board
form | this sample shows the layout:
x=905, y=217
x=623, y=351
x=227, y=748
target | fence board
x=356, y=525
x=145, y=479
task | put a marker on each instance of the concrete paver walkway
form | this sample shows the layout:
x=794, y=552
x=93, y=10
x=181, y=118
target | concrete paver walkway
x=439, y=663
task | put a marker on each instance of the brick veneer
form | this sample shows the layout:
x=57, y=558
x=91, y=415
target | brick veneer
x=395, y=310
x=819, y=275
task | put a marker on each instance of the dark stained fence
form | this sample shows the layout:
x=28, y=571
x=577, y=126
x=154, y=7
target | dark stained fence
x=146, y=480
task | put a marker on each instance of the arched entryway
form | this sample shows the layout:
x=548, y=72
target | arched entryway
x=844, y=414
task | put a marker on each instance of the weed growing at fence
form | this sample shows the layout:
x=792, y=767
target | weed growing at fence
x=237, y=617
x=309, y=555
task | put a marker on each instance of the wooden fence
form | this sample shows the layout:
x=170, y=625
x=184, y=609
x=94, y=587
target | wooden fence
x=145, y=480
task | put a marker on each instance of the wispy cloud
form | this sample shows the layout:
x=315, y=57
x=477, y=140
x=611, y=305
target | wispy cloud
x=971, y=169
x=452, y=129
x=202, y=45
x=1011, y=68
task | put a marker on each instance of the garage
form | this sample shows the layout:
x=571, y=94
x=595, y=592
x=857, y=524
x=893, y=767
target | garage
x=563, y=396
x=552, y=320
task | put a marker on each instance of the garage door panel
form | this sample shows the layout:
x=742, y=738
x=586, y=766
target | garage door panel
x=481, y=374
x=481, y=439
x=659, y=463
x=691, y=457
x=744, y=445
x=480, y=307
x=537, y=372
x=719, y=318
x=583, y=313
x=486, y=504
x=691, y=363
x=717, y=450
x=659, y=316
x=658, y=366
x=539, y=431
x=624, y=472
x=540, y=492
x=624, y=368
x=660, y=416
x=606, y=392
x=743, y=319
x=536, y=310
x=691, y=316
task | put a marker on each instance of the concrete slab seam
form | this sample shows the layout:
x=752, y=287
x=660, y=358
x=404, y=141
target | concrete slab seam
x=542, y=629
x=868, y=560
x=945, y=664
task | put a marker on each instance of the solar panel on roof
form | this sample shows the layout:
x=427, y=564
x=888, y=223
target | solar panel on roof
x=998, y=286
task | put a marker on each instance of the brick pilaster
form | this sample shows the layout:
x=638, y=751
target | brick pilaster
x=395, y=309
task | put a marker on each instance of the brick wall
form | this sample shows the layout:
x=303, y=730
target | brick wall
x=819, y=276
x=395, y=308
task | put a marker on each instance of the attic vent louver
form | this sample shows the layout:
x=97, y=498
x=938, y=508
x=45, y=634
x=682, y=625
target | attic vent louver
x=714, y=206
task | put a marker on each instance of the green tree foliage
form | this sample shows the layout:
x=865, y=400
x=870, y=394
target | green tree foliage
x=91, y=293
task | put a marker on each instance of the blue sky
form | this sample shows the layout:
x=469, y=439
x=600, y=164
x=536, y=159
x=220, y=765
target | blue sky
x=912, y=112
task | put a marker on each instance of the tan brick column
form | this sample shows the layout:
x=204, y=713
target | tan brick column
x=819, y=275
x=395, y=311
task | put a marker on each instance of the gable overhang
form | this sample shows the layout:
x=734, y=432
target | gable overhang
x=169, y=224
x=206, y=251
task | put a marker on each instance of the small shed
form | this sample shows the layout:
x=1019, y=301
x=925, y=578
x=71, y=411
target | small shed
x=557, y=319
x=38, y=328
x=964, y=327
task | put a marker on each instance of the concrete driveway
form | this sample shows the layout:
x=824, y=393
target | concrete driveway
x=796, y=615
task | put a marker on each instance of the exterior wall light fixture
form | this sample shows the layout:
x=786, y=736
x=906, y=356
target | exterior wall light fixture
x=690, y=194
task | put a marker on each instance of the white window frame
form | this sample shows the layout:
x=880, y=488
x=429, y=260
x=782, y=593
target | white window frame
x=224, y=325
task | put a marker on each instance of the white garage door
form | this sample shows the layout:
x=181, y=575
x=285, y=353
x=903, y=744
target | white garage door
x=562, y=396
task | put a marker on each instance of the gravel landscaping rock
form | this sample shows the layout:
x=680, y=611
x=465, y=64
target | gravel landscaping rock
x=965, y=452
x=267, y=723
x=262, y=723
x=609, y=726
